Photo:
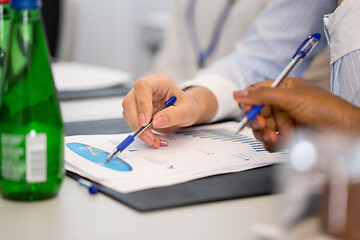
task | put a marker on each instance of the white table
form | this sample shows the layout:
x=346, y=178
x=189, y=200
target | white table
x=75, y=214
x=92, y=109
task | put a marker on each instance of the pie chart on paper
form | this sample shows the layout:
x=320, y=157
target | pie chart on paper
x=98, y=156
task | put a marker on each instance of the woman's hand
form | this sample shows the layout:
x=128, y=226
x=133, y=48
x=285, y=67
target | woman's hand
x=150, y=94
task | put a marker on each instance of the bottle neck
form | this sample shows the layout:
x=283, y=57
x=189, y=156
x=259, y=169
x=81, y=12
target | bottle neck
x=26, y=15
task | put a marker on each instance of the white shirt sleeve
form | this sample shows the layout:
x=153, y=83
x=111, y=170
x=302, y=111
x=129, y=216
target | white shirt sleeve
x=266, y=49
x=221, y=87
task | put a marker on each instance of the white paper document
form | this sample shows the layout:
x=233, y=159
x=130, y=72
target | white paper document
x=192, y=153
x=72, y=76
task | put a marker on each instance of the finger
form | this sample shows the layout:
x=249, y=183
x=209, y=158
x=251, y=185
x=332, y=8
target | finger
x=267, y=137
x=269, y=96
x=144, y=100
x=153, y=140
x=176, y=115
x=247, y=108
x=258, y=134
x=242, y=106
x=271, y=124
x=163, y=141
x=124, y=116
x=239, y=95
x=159, y=141
x=130, y=112
x=266, y=111
x=270, y=138
x=147, y=137
x=127, y=121
x=286, y=128
x=296, y=83
x=261, y=84
x=258, y=123
x=275, y=140
x=156, y=144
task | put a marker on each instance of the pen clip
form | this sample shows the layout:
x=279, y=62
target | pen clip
x=307, y=45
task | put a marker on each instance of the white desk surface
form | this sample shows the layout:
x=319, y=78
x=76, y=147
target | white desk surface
x=92, y=109
x=75, y=214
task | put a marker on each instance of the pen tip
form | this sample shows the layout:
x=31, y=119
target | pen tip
x=108, y=158
x=241, y=125
x=112, y=154
x=239, y=129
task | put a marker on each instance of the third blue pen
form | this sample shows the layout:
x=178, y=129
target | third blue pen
x=300, y=53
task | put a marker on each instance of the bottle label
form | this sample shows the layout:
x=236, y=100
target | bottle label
x=19, y=163
x=12, y=152
x=35, y=157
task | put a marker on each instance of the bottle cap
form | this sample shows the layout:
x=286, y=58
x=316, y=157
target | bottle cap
x=4, y=1
x=25, y=4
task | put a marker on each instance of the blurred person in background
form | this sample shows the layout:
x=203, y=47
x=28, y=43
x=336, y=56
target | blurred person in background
x=202, y=31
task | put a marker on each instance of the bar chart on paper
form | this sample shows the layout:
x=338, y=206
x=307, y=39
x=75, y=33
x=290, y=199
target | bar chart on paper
x=225, y=135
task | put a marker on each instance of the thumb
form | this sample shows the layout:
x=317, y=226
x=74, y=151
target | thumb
x=178, y=115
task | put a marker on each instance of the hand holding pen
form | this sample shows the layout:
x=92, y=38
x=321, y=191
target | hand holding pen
x=296, y=104
x=130, y=139
x=306, y=46
x=191, y=107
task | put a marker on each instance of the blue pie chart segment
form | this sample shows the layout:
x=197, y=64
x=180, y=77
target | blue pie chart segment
x=98, y=156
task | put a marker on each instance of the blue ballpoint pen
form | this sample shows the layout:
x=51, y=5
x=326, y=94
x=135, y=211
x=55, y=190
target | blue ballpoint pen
x=129, y=139
x=300, y=53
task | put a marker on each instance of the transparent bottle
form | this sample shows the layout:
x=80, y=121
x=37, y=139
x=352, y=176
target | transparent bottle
x=31, y=128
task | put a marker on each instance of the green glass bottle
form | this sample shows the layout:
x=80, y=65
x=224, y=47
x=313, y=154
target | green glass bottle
x=4, y=30
x=31, y=128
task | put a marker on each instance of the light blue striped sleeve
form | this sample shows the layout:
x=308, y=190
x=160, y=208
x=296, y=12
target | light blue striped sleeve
x=343, y=35
x=265, y=50
x=345, y=76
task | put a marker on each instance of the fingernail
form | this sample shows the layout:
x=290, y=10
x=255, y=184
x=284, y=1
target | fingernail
x=241, y=94
x=160, y=121
x=163, y=143
x=142, y=119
